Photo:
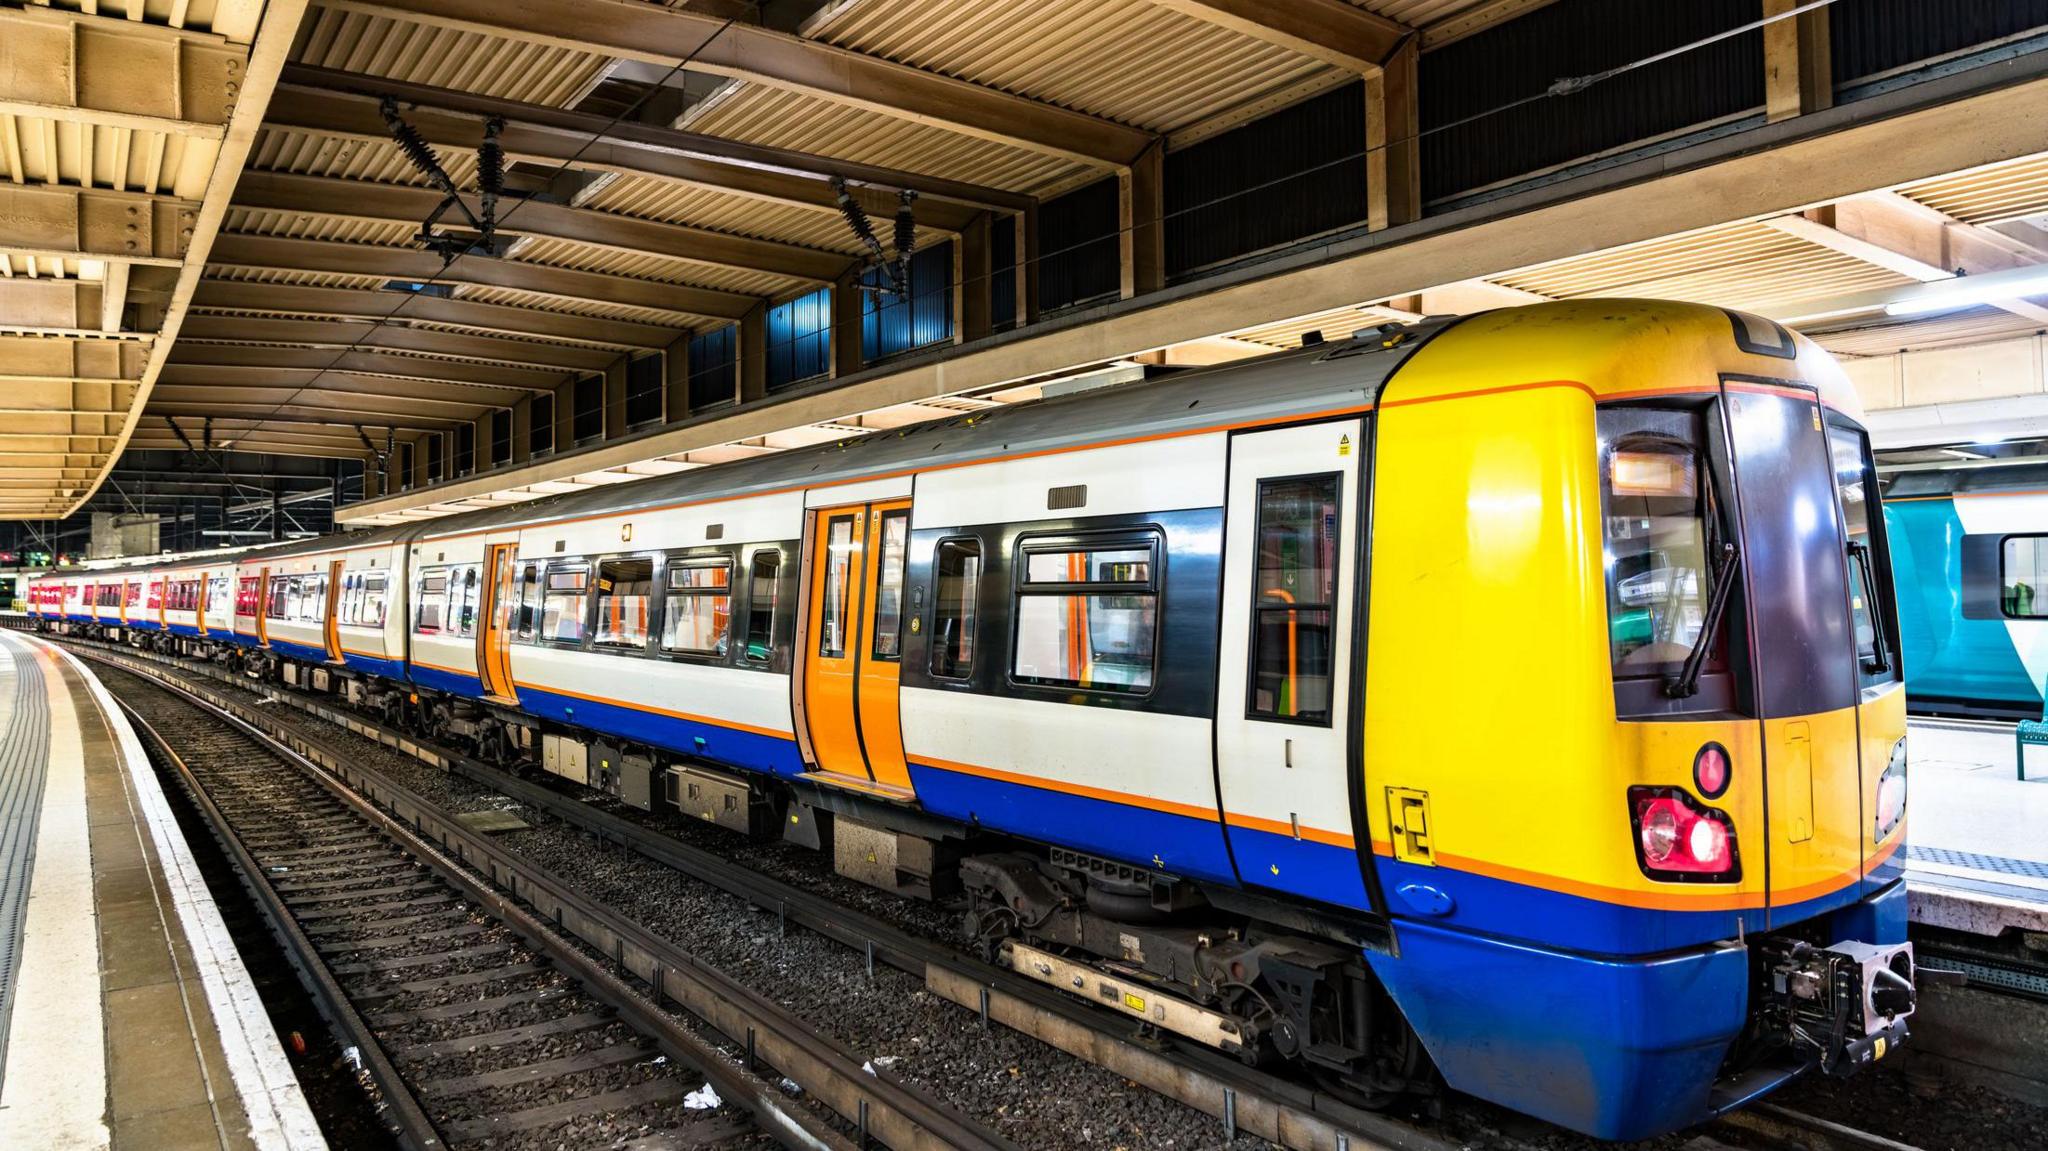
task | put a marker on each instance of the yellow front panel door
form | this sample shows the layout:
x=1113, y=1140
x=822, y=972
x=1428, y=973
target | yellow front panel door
x=854, y=640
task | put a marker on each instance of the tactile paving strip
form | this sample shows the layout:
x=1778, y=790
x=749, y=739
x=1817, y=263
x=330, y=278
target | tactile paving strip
x=24, y=760
x=1970, y=859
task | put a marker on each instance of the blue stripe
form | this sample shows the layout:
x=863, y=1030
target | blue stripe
x=454, y=683
x=184, y=629
x=299, y=650
x=727, y=746
x=1180, y=844
x=1302, y=867
x=375, y=665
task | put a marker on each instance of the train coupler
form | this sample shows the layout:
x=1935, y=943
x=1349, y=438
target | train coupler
x=1845, y=1005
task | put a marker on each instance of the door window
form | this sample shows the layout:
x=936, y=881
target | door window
x=1087, y=615
x=433, y=601
x=889, y=585
x=763, y=582
x=1294, y=599
x=526, y=621
x=956, y=572
x=837, y=611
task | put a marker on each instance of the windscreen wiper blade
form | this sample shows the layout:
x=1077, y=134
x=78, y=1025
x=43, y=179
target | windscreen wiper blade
x=1686, y=683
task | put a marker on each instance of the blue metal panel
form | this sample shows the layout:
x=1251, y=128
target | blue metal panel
x=1078, y=253
x=300, y=651
x=799, y=339
x=454, y=683
x=704, y=739
x=891, y=324
x=1180, y=844
x=714, y=374
x=375, y=665
x=1873, y=36
x=1617, y=1049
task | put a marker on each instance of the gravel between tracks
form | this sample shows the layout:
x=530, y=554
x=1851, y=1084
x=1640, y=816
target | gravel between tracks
x=1037, y=1095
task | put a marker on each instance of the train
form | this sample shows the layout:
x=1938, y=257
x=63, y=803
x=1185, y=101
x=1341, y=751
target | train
x=1506, y=704
x=1972, y=547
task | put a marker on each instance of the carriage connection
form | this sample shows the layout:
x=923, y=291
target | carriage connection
x=1515, y=699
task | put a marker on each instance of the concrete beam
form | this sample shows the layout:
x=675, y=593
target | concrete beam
x=89, y=224
x=395, y=336
x=213, y=357
x=420, y=266
x=1333, y=31
x=335, y=103
x=362, y=304
x=313, y=380
x=410, y=204
x=665, y=36
x=82, y=69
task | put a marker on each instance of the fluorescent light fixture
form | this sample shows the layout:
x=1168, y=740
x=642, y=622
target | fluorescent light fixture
x=1966, y=291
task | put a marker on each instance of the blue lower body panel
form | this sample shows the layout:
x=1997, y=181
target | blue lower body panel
x=452, y=682
x=375, y=665
x=1181, y=844
x=729, y=746
x=1618, y=1049
x=1323, y=872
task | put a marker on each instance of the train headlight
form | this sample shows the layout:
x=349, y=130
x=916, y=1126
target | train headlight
x=1891, y=794
x=1679, y=841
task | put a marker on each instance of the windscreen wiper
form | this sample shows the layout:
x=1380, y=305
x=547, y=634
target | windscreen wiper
x=1686, y=683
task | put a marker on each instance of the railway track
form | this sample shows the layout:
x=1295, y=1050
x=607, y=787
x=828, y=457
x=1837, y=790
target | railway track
x=1245, y=1100
x=477, y=1023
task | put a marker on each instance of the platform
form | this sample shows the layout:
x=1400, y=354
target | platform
x=127, y=1018
x=1977, y=843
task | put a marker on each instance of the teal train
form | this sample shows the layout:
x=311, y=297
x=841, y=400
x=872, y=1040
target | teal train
x=1970, y=560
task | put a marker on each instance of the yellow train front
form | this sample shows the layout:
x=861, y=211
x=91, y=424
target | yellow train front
x=1634, y=748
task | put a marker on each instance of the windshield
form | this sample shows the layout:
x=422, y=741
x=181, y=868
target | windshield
x=1657, y=506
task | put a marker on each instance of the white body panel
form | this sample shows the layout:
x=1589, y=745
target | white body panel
x=441, y=650
x=1129, y=479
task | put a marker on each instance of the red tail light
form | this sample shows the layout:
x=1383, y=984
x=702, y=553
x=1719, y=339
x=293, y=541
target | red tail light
x=1679, y=841
x=1710, y=770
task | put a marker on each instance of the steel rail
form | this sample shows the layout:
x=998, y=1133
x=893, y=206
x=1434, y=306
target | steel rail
x=875, y=1106
x=401, y=1109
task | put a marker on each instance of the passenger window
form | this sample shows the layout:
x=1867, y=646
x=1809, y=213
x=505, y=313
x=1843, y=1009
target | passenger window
x=280, y=596
x=372, y=598
x=528, y=621
x=1294, y=599
x=956, y=574
x=561, y=617
x=762, y=586
x=2023, y=577
x=889, y=586
x=697, y=613
x=1087, y=616
x=433, y=601
x=1869, y=587
x=622, y=593
x=833, y=616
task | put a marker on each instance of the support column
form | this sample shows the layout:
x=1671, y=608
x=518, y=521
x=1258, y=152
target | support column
x=371, y=489
x=1798, y=62
x=522, y=430
x=1027, y=266
x=751, y=351
x=1393, y=154
x=1141, y=222
x=565, y=414
x=973, y=289
x=615, y=399
x=676, y=379
x=846, y=323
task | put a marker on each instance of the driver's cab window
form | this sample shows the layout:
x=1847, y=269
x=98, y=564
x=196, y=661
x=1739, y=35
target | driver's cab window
x=1661, y=532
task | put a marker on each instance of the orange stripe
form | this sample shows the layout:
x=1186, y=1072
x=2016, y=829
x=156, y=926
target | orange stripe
x=470, y=672
x=1496, y=391
x=1275, y=827
x=726, y=723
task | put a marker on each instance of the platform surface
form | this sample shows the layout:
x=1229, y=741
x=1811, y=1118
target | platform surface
x=127, y=1019
x=1977, y=840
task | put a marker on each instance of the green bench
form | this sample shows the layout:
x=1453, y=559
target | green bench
x=2029, y=731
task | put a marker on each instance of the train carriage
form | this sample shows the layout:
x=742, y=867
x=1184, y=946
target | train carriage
x=1515, y=697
